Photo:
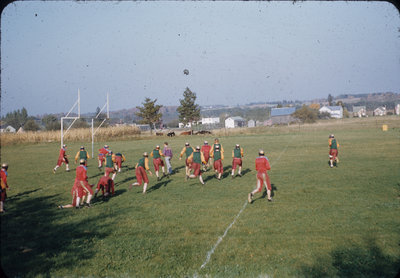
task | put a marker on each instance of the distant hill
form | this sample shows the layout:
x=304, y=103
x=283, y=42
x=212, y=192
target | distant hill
x=257, y=110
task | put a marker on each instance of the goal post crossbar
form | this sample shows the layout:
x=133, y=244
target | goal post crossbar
x=67, y=117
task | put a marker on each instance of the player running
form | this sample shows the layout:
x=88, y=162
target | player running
x=205, y=149
x=102, y=153
x=157, y=155
x=62, y=158
x=237, y=154
x=333, y=151
x=110, y=168
x=196, y=159
x=119, y=158
x=262, y=166
x=167, y=152
x=141, y=167
x=187, y=150
x=218, y=156
x=82, y=154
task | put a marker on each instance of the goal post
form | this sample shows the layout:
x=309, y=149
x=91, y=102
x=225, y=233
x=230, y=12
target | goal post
x=106, y=106
x=67, y=117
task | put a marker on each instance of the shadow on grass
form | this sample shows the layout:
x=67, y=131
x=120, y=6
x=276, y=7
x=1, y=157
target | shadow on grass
x=124, y=180
x=37, y=241
x=99, y=174
x=158, y=185
x=209, y=177
x=354, y=261
x=103, y=199
x=176, y=169
x=264, y=194
x=245, y=171
x=19, y=195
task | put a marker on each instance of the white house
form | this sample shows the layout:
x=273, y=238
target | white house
x=359, y=111
x=210, y=121
x=8, y=129
x=380, y=111
x=397, y=109
x=251, y=123
x=334, y=111
x=233, y=122
x=182, y=125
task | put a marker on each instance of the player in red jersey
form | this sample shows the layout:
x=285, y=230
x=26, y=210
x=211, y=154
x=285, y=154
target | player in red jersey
x=82, y=178
x=205, y=149
x=237, y=154
x=105, y=184
x=62, y=158
x=262, y=166
x=141, y=167
x=4, y=186
x=196, y=159
x=77, y=194
x=101, y=157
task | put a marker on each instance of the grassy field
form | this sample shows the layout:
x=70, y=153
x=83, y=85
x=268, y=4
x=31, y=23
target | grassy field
x=323, y=222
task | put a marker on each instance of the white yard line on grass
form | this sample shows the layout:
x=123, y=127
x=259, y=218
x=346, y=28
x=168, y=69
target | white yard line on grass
x=209, y=253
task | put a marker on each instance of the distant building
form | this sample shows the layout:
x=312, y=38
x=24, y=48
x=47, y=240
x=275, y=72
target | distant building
x=397, y=109
x=182, y=125
x=380, y=111
x=8, y=129
x=210, y=121
x=233, y=122
x=334, y=111
x=359, y=111
x=251, y=123
x=282, y=115
x=143, y=127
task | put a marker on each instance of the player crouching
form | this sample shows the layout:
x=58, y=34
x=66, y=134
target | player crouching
x=106, y=184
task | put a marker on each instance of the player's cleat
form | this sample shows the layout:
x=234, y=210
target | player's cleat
x=78, y=207
x=67, y=170
x=158, y=179
x=87, y=205
x=250, y=198
x=54, y=171
x=233, y=176
x=119, y=170
x=186, y=177
x=60, y=207
x=240, y=175
x=269, y=200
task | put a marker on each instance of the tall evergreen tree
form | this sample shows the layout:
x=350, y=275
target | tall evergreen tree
x=150, y=113
x=188, y=110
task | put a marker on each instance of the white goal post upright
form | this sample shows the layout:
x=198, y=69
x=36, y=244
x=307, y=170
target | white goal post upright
x=106, y=106
x=67, y=117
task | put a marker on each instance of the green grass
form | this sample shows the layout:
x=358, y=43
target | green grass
x=323, y=222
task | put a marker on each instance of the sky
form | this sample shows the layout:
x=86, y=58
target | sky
x=236, y=52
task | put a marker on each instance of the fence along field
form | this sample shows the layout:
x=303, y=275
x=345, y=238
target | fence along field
x=323, y=222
